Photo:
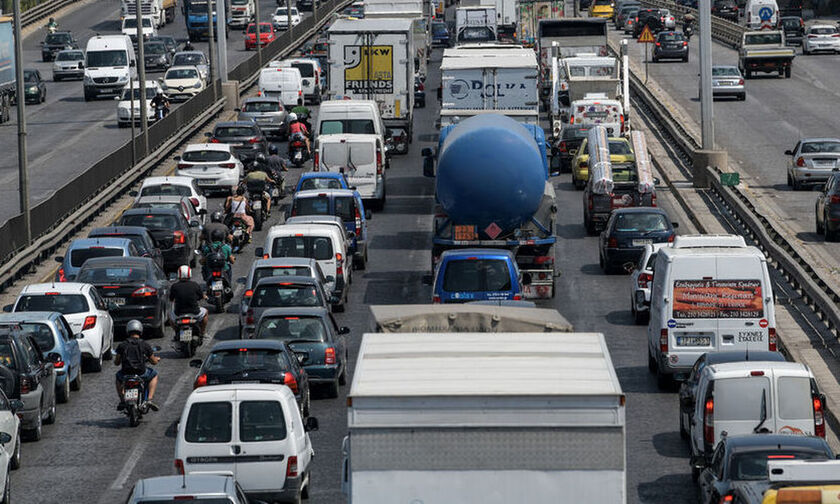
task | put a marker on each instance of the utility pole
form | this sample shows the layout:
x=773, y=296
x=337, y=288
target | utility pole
x=289, y=15
x=706, y=108
x=23, y=174
x=141, y=70
x=133, y=130
x=257, y=30
x=211, y=37
x=222, y=31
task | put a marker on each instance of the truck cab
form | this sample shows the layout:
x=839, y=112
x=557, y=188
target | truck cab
x=465, y=275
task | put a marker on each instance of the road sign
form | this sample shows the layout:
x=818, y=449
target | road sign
x=765, y=13
x=646, y=37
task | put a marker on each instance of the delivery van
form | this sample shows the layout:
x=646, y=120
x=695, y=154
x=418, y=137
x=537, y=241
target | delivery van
x=707, y=299
x=310, y=72
x=361, y=158
x=109, y=65
x=762, y=14
x=283, y=83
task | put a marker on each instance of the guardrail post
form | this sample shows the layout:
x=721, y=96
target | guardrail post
x=704, y=159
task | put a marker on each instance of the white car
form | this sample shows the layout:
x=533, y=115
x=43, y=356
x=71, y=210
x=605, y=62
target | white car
x=10, y=424
x=128, y=98
x=82, y=307
x=641, y=280
x=69, y=64
x=193, y=58
x=821, y=38
x=280, y=19
x=182, y=82
x=129, y=27
x=212, y=165
x=172, y=186
x=668, y=20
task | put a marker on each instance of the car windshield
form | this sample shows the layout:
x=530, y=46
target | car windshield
x=235, y=360
x=112, y=275
x=181, y=73
x=205, y=156
x=670, y=37
x=575, y=133
x=362, y=126
x=725, y=72
x=150, y=221
x=819, y=147
x=763, y=38
x=292, y=329
x=320, y=183
x=198, y=8
x=157, y=48
x=439, y=29
x=603, y=2
x=209, y=422
x=279, y=271
x=70, y=56
x=476, y=275
x=188, y=59
x=640, y=222
x=285, y=294
x=264, y=28
x=131, y=22
x=752, y=465
x=80, y=255
x=262, y=106
x=166, y=190
x=791, y=22
x=234, y=131
x=41, y=332
x=128, y=95
x=30, y=76
x=823, y=30
x=306, y=69
x=261, y=421
x=115, y=58
x=315, y=247
x=66, y=304
x=59, y=38
x=476, y=33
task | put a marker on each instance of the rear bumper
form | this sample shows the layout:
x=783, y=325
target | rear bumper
x=810, y=175
x=670, y=53
x=323, y=373
x=291, y=488
x=176, y=256
x=623, y=255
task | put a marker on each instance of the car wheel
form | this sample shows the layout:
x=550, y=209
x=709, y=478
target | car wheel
x=304, y=492
x=683, y=431
x=95, y=363
x=743, y=97
x=663, y=380
x=796, y=185
x=7, y=491
x=77, y=383
x=789, y=180
x=787, y=72
x=342, y=378
x=51, y=412
x=830, y=236
x=56, y=78
x=332, y=389
x=307, y=405
x=15, y=460
x=35, y=433
x=819, y=228
x=641, y=317
x=62, y=393
x=651, y=362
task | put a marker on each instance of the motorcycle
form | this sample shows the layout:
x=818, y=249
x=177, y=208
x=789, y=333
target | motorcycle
x=161, y=111
x=218, y=286
x=52, y=27
x=135, y=395
x=239, y=230
x=188, y=334
x=688, y=30
x=298, y=154
x=255, y=191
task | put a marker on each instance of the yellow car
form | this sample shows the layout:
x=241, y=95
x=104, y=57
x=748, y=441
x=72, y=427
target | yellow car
x=828, y=494
x=601, y=9
x=621, y=152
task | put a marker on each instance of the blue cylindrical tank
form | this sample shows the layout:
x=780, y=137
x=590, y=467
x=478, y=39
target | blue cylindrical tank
x=490, y=171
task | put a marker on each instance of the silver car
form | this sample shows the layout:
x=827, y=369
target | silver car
x=628, y=20
x=193, y=58
x=269, y=114
x=189, y=488
x=728, y=81
x=68, y=64
x=812, y=161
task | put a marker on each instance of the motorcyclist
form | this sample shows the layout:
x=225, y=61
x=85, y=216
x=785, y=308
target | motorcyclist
x=52, y=25
x=276, y=166
x=185, y=296
x=216, y=224
x=237, y=206
x=188, y=46
x=297, y=131
x=259, y=176
x=132, y=356
x=217, y=244
x=160, y=102
x=688, y=22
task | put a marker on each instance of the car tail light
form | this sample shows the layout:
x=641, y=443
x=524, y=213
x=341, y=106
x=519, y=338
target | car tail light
x=726, y=499
x=663, y=340
x=315, y=159
x=709, y=421
x=621, y=120
x=834, y=199
x=562, y=147
x=195, y=202
x=378, y=161
x=179, y=466
x=214, y=140
x=249, y=293
x=90, y=322
x=819, y=418
x=644, y=280
x=436, y=299
x=184, y=166
x=772, y=339
x=25, y=385
x=658, y=44
x=249, y=317
x=200, y=381
x=740, y=82
x=812, y=36
x=836, y=35
x=289, y=381
x=329, y=355
x=591, y=201
x=685, y=43
x=145, y=291
x=800, y=162
x=61, y=276
x=178, y=237
x=612, y=242
x=358, y=220
x=254, y=140
x=60, y=365
x=339, y=268
x=291, y=467
x=227, y=165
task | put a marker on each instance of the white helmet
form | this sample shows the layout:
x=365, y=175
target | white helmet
x=184, y=272
x=292, y=117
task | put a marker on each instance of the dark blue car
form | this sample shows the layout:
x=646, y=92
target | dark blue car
x=627, y=232
x=465, y=275
x=440, y=35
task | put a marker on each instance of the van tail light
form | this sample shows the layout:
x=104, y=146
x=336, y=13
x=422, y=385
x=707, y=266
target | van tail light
x=291, y=467
x=436, y=299
x=60, y=365
x=378, y=161
x=612, y=242
x=621, y=120
x=658, y=44
x=289, y=381
x=800, y=162
x=254, y=140
x=740, y=82
x=200, y=381
x=61, y=276
x=25, y=385
x=179, y=466
x=329, y=355
x=144, y=292
x=339, y=267
x=772, y=340
x=184, y=166
x=249, y=317
x=671, y=238
x=315, y=163
x=644, y=280
x=709, y=421
x=572, y=120
x=358, y=220
x=663, y=340
x=726, y=499
x=179, y=238
x=819, y=418
x=90, y=322
x=195, y=202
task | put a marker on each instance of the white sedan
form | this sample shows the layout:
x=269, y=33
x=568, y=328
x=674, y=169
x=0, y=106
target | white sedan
x=821, y=38
x=172, y=186
x=213, y=166
x=182, y=82
x=127, y=99
x=82, y=307
x=280, y=19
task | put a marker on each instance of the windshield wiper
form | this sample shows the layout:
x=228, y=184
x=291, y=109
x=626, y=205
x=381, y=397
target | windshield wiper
x=763, y=416
x=292, y=342
x=246, y=370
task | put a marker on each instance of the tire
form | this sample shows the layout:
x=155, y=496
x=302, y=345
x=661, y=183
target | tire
x=35, y=434
x=7, y=492
x=342, y=378
x=663, y=381
x=14, y=462
x=133, y=416
x=787, y=72
x=683, y=431
x=258, y=221
x=789, y=180
x=685, y=60
x=655, y=59
x=219, y=303
x=651, y=363
x=62, y=394
x=577, y=183
x=307, y=405
x=51, y=412
x=121, y=125
x=304, y=492
x=56, y=78
x=742, y=97
x=748, y=74
x=641, y=317
x=830, y=236
x=797, y=186
x=95, y=364
x=76, y=384
x=332, y=389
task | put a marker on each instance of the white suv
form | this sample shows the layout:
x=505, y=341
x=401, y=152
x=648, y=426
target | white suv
x=82, y=307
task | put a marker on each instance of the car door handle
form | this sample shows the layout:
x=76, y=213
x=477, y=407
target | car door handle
x=236, y=449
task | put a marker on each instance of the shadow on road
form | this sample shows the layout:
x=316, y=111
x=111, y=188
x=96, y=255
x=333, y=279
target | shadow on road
x=670, y=444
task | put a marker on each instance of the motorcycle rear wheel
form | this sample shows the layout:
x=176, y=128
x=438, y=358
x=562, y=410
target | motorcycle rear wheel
x=219, y=303
x=133, y=415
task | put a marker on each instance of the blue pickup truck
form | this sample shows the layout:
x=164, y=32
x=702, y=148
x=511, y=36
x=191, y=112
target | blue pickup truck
x=465, y=275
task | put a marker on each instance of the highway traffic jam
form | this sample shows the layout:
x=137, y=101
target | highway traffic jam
x=371, y=278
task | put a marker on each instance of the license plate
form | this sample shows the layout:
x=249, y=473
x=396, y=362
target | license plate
x=185, y=334
x=641, y=243
x=694, y=340
x=237, y=233
x=257, y=205
x=298, y=155
x=205, y=181
x=118, y=301
x=217, y=285
x=244, y=381
x=263, y=120
x=132, y=394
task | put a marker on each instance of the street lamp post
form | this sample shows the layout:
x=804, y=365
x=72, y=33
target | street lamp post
x=23, y=174
x=141, y=71
x=706, y=107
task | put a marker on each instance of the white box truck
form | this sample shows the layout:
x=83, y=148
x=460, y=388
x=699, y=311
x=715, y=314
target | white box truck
x=481, y=82
x=373, y=59
x=475, y=24
x=433, y=418
x=505, y=17
x=421, y=25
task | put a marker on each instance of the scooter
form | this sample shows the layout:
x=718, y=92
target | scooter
x=688, y=30
x=218, y=286
x=161, y=112
x=188, y=335
x=239, y=230
x=255, y=198
x=135, y=395
x=298, y=154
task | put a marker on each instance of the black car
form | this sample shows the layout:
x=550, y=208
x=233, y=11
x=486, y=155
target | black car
x=133, y=287
x=563, y=149
x=628, y=231
x=688, y=388
x=29, y=377
x=670, y=45
x=794, y=28
x=726, y=9
x=254, y=361
x=177, y=238
x=56, y=42
x=744, y=458
x=34, y=87
x=168, y=40
x=827, y=209
x=157, y=56
x=419, y=92
x=245, y=138
x=316, y=339
x=302, y=5
x=141, y=238
x=651, y=18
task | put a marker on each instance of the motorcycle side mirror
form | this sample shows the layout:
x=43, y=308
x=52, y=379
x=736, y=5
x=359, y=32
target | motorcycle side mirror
x=133, y=193
x=194, y=223
x=59, y=259
x=5, y=437
x=310, y=425
x=176, y=158
x=343, y=330
x=196, y=363
x=258, y=252
x=172, y=277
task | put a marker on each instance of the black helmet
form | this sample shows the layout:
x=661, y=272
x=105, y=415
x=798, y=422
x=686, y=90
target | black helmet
x=216, y=217
x=272, y=149
x=261, y=158
x=217, y=235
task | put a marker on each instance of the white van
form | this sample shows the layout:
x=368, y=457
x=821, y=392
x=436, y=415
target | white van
x=321, y=242
x=148, y=28
x=752, y=396
x=252, y=432
x=350, y=116
x=762, y=14
x=310, y=72
x=708, y=298
x=360, y=158
x=598, y=110
x=109, y=64
x=283, y=83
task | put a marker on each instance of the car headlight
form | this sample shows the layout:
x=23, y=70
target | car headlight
x=162, y=58
x=32, y=89
x=123, y=78
x=197, y=85
x=87, y=80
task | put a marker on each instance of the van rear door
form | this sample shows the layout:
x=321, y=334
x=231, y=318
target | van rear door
x=741, y=402
x=264, y=441
x=693, y=325
x=740, y=290
x=794, y=400
x=207, y=446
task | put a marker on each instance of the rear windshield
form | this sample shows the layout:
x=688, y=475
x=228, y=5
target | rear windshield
x=209, y=422
x=61, y=303
x=280, y=271
x=79, y=256
x=763, y=38
x=60, y=38
x=166, y=190
x=320, y=183
x=279, y=295
x=823, y=30
x=157, y=204
x=262, y=106
x=234, y=131
x=725, y=71
x=154, y=48
x=181, y=73
x=795, y=401
x=237, y=360
x=188, y=59
x=344, y=207
x=150, y=221
x=70, y=56
x=620, y=148
x=7, y=356
x=316, y=247
x=116, y=275
x=592, y=71
x=205, y=156
x=791, y=23
x=348, y=155
x=264, y=28
x=817, y=147
x=261, y=421
x=742, y=398
x=640, y=222
x=306, y=69
x=292, y=329
x=42, y=334
x=361, y=126
x=670, y=37
x=752, y=465
x=476, y=275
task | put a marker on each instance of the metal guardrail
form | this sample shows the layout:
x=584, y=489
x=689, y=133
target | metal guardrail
x=37, y=11
x=722, y=30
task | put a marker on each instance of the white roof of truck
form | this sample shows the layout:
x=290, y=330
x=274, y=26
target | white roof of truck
x=371, y=25
x=476, y=364
x=487, y=61
x=487, y=50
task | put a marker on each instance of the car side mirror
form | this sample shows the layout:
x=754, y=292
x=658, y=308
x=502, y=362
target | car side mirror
x=59, y=259
x=132, y=63
x=8, y=308
x=258, y=252
x=16, y=405
x=686, y=403
x=77, y=336
x=208, y=134
x=310, y=425
x=133, y=193
x=194, y=223
x=343, y=330
x=196, y=363
x=5, y=438
x=788, y=152
x=237, y=110
x=629, y=267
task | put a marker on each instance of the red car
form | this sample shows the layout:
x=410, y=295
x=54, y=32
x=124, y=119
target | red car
x=267, y=35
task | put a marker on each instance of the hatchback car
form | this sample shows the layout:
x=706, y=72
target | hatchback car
x=267, y=35
x=280, y=19
x=628, y=20
x=193, y=59
x=10, y=425
x=821, y=38
x=440, y=35
x=177, y=238
x=254, y=361
x=182, y=82
x=213, y=166
x=139, y=236
x=157, y=56
x=565, y=147
x=245, y=138
x=811, y=161
x=181, y=203
x=268, y=112
x=34, y=86
x=726, y=9
x=68, y=64
x=192, y=488
x=282, y=292
x=172, y=186
x=827, y=209
x=670, y=45
x=313, y=181
x=628, y=231
x=55, y=42
x=315, y=338
x=728, y=81
x=82, y=249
